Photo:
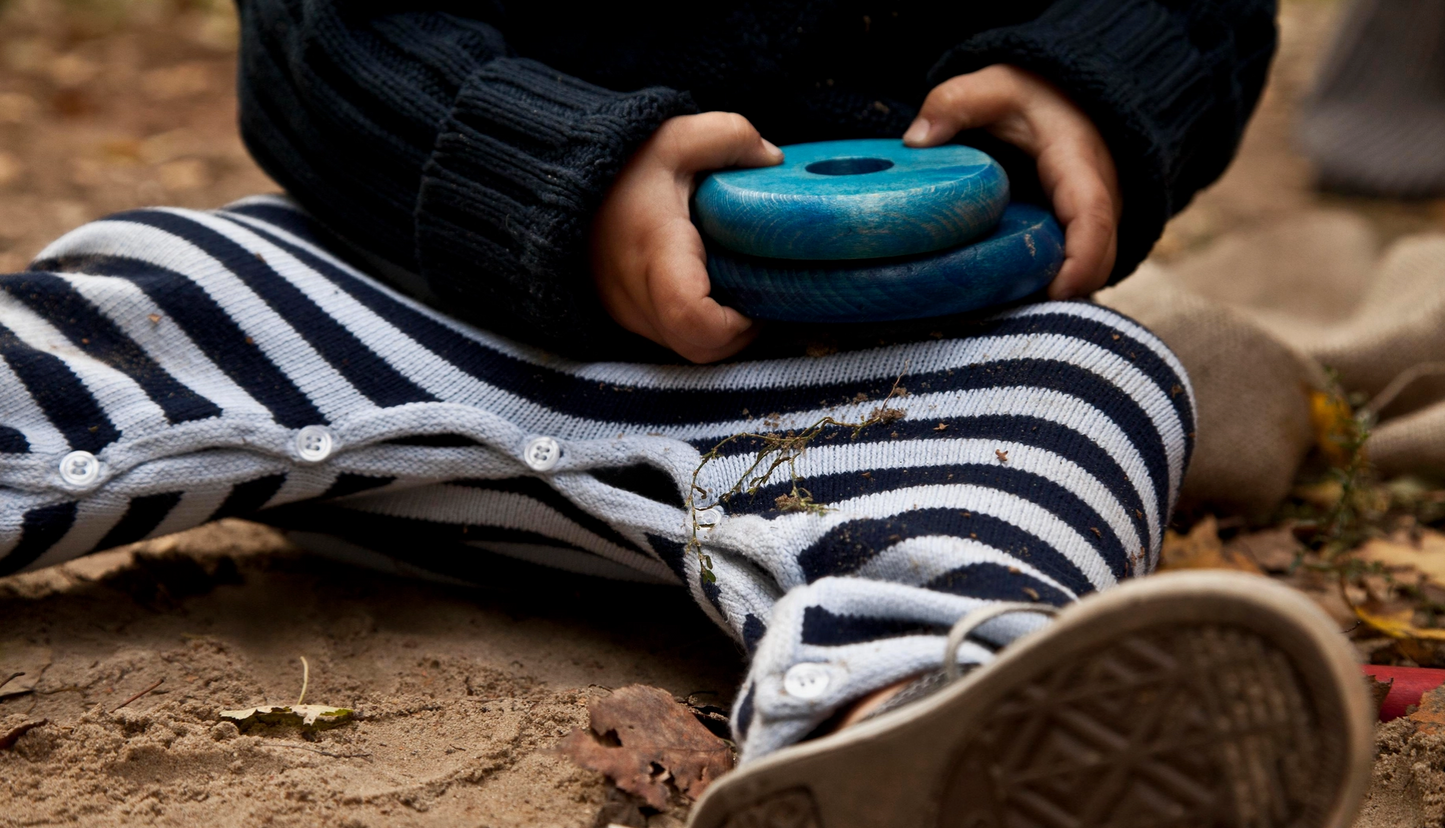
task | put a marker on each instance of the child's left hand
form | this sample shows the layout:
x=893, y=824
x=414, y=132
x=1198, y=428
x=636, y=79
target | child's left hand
x=1075, y=167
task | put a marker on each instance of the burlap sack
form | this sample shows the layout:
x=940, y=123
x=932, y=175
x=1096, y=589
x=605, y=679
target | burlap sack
x=1256, y=319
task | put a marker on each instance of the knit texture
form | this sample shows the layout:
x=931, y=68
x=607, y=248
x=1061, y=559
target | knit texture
x=461, y=149
x=164, y=368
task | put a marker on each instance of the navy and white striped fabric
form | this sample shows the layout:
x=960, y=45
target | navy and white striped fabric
x=162, y=368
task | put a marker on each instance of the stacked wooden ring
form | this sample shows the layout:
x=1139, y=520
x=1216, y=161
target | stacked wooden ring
x=870, y=231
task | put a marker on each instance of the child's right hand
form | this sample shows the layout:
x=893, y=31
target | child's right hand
x=647, y=257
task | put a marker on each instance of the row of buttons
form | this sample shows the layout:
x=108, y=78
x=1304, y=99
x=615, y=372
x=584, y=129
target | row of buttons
x=314, y=443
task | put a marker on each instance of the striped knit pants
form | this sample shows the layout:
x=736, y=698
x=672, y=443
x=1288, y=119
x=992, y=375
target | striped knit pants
x=163, y=368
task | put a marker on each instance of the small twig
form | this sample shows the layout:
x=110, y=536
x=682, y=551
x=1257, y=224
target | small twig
x=775, y=453
x=11, y=677
x=322, y=752
x=1402, y=381
x=9, y=739
x=305, y=680
x=141, y=693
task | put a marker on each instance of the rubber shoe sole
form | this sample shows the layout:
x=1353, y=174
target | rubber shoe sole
x=1186, y=700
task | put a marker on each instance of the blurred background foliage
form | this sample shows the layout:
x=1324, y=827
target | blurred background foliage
x=111, y=104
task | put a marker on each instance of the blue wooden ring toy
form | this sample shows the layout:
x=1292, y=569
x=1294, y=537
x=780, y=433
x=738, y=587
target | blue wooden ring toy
x=1021, y=256
x=863, y=199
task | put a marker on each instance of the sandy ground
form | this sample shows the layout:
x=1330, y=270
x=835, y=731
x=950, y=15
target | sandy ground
x=461, y=695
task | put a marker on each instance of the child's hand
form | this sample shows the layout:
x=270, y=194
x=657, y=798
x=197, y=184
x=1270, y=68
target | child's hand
x=1075, y=167
x=647, y=258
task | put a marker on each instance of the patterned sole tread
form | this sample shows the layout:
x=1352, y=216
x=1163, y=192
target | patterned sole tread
x=1191, y=726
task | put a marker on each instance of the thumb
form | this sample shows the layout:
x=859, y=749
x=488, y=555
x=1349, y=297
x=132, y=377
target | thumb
x=713, y=141
x=963, y=102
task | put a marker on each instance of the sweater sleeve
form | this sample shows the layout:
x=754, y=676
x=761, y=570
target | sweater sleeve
x=419, y=139
x=1169, y=83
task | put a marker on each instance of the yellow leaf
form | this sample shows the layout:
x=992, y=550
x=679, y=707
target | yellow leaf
x=1399, y=624
x=1334, y=425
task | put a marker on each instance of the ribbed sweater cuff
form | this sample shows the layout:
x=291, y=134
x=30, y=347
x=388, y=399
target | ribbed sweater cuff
x=1121, y=67
x=519, y=168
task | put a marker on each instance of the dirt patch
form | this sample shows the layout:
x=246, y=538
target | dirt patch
x=460, y=695
x=1408, y=789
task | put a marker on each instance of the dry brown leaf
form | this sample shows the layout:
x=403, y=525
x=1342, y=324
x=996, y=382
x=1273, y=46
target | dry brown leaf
x=1430, y=717
x=1324, y=590
x=657, y=741
x=1202, y=549
x=1379, y=689
x=1273, y=550
x=1401, y=552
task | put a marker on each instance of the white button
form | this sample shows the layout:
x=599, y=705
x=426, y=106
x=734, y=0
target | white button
x=807, y=681
x=79, y=468
x=315, y=443
x=542, y=453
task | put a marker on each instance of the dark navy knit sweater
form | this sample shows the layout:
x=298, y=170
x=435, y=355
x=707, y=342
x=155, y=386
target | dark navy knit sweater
x=460, y=148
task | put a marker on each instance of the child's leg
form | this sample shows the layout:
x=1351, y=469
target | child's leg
x=1037, y=461
x=163, y=368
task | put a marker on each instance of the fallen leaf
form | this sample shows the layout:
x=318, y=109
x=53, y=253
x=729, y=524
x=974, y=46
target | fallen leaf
x=1398, y=623
x=1325, y=591
x=1334, y=426
x=1202, y=549
x=620, y=809
x=657, y=741
x=1399, y=552
x=1379, y=689
x=314, y=716
x=1273, y=550
x=1430, y=716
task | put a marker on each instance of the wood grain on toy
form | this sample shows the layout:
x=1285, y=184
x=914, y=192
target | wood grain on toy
x=1021, y=256
x=861, y=199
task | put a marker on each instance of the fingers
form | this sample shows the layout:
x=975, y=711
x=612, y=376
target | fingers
x=713, y=141
x=1078, y=175
x=1074, y=164
x=648, y=260
x=978, y=99
x=686, y=318
x=660, y=291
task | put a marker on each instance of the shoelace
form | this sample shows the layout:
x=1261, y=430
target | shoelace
x=935, y=680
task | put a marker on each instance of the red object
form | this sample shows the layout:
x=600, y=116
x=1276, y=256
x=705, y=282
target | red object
x=1410, y=683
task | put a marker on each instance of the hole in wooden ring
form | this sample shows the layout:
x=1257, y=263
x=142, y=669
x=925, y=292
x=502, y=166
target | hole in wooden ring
x=849, y=166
